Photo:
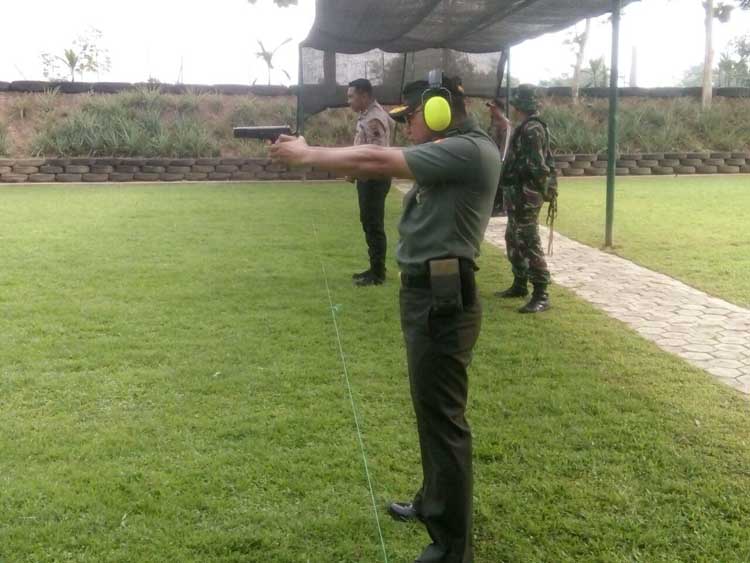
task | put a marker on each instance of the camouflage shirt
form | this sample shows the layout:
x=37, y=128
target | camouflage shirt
x=526, y=172
x=373, y=126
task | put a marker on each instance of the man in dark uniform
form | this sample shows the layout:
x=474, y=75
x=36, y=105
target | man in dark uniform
x=527, y=179
x=445, y=214
x=373, y=128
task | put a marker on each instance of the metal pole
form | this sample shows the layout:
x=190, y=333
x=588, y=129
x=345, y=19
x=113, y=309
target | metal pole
x=300, y=108
x=507, y=88
x=612, y=141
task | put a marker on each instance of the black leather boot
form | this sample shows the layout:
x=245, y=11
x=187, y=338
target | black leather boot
x=362, y=274
x=539, y=301
x=376, y=276
x=403, y=512
x=518, y=289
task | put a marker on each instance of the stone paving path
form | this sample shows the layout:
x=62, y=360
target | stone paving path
x=706, y=331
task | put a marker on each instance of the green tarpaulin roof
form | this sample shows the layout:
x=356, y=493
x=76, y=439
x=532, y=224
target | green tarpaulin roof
x=471, y=26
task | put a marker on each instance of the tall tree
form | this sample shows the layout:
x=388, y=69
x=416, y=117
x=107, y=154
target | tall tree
x=734, y=65
x=578, y=42
x=722, y=12
x=596, y=74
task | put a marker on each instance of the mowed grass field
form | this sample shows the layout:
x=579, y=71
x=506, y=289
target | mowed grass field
x=171, y=389
x=696, y=229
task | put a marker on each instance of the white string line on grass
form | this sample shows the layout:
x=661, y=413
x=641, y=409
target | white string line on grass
x=351, y=396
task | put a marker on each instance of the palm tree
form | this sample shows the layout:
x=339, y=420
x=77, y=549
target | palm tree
x=267, y=57
x=71, y=61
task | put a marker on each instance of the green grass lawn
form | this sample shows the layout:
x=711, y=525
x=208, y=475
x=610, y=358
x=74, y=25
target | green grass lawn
x=171, y=391
x=695, y=229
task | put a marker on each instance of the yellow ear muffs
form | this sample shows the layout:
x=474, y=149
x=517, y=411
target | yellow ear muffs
x=437, y=113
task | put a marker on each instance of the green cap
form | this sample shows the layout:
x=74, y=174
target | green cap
x=525, y=98
x=412, y=96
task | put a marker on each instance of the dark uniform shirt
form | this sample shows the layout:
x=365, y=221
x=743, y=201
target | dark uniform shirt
x=447, y=211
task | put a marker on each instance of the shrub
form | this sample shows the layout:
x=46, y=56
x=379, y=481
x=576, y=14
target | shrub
x=3, y=140
x=188, y=137
x=21, y=108
x=128, y=124
x=147, y=122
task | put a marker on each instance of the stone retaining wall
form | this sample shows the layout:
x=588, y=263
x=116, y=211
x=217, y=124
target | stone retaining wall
x=149, y=170
x=253, y=169
x=648, y=164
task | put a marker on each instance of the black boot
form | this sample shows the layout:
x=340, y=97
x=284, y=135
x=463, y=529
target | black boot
x=518, y=289
x=403, y=512
x=539, y=301
x=362, y=274
x=375, y=276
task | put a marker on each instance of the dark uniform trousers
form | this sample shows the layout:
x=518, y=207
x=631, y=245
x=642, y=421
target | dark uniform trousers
x=439, y=351
x=372, y=195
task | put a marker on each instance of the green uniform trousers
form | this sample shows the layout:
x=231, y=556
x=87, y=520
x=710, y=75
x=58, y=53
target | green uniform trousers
x=439, y=351
x=524, y=247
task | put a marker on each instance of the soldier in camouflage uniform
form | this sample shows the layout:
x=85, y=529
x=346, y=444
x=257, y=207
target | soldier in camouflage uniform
x=525, y=179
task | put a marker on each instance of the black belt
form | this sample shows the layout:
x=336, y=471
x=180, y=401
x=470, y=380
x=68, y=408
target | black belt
x=415, y=282
x=422, y=281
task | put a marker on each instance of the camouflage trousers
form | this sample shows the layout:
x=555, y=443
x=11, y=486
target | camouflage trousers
x=524, y=246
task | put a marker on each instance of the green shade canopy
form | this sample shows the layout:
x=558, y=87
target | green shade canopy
x=470, y=26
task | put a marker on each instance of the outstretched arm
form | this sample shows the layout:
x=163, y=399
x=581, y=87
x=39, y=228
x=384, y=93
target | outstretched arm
x=365, y=161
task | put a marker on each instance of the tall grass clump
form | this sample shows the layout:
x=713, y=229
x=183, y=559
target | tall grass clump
x=725, y=126
x=22, y=108
x=270, y=111
x=3, y=140
x=138, y=123
x=650, y=125
x=333, y=127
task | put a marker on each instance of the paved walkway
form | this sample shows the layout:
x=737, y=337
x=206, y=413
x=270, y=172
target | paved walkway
x=706, y=331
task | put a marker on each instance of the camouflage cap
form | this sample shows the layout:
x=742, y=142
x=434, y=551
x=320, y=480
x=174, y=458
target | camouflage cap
x=525, y=98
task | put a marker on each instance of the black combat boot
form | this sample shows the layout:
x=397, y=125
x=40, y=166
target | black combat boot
x=376, y=276
x=539, y=300
x=518, y=289
x=364, y=274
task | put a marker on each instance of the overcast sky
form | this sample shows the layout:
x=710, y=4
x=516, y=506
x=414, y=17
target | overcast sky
x=215, y=42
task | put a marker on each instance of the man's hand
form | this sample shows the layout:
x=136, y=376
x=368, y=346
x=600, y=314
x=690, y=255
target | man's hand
x=290, y=150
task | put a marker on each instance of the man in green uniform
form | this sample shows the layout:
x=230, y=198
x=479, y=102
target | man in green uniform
x=528, y=178
x=445, y=215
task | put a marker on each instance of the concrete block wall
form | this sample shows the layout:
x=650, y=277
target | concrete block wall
x=149, y=170
x=656, y=164
x=254, y=169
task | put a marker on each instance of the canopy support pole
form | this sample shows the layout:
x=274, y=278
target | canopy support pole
x=612, y=135
x=507, y=87
x=300, y=86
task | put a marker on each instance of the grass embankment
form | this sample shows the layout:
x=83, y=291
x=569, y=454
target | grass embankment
x=151, y=124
